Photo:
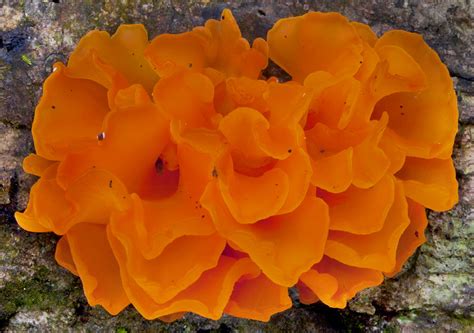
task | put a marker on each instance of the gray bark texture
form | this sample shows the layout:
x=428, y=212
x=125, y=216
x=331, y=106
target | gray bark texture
x=434, y=292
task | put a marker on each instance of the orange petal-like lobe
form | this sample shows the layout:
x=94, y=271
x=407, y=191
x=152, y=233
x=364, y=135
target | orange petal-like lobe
x=391, y=147
x=217, y=45
x=348, y=210
x=135, y=133
x=35, y=164
x=412, y=237
x=178, y=265
x=287, y=103
x=333, y=173
x=398, y=72
x=48, y=208
x=94, y=196
x=250, y=199
x=305, y=294
x=335, y=283
x=365, y=32
x=63, y=255
x=237, y=92
x=186, y=96
x=377, y=250
x=430, y=182
x=153, y=225
x=124, y=51
x=207, y=297
x=258, y=298
x=426, y=121
x=298, y=169
x=27, y=221
x=91, y=198
x=283, y=246
x=69, y=115
x=97, y=267
x=314, y=42
x=369, y=161
x=335, y=104
x=251, y=121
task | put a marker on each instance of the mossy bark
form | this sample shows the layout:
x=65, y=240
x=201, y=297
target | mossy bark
x=434, y=292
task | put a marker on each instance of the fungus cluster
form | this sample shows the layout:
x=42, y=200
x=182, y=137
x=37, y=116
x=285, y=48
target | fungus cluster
x=182, y=180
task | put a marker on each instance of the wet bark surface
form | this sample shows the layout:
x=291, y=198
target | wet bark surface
x=433, y=292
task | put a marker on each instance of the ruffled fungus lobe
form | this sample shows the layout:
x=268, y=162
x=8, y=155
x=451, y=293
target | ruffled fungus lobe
x=181, y=180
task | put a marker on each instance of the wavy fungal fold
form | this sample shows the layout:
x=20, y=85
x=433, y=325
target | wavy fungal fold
x=181, y=179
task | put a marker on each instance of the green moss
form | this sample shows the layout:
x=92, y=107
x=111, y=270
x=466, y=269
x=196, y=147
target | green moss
x=21, y=5
x=467, y=323
x=35, y=293
x=26, y=59
x=391, y=329
x=121, y=330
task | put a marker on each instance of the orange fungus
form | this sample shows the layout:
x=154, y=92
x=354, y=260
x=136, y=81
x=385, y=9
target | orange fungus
x=180, y=179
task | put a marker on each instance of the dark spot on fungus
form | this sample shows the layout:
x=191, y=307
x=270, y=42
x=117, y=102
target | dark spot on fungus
x=101, y=136
x=110, y=183
x=285, y=36
x=190, y=65
x=289, y=151
x=322, y=151
x=223, y=17
x=416, y=234
x=214, y=173
x=53, y=107
x=360, y=62
x=401, y=106
x=203, y=216
x=133, y=53
x=93, y=167
x=159, y=165
x=402, y=113
x=141, y=66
